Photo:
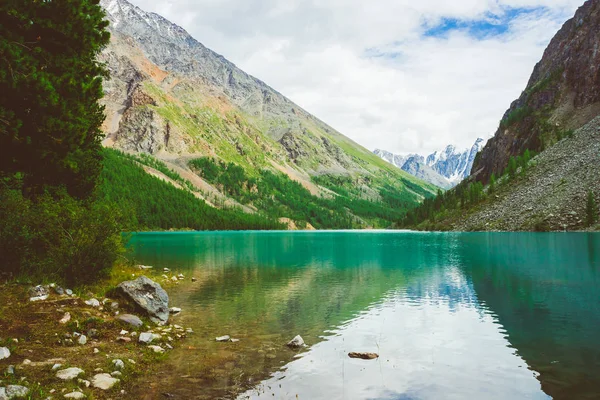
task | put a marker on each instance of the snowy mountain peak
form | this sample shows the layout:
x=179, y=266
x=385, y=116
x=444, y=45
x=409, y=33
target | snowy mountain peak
x=451, y=165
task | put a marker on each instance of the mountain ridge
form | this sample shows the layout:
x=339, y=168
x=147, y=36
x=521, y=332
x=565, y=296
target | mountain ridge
x=445, y=168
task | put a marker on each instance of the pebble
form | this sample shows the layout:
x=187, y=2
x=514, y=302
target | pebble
x=223, y=338
x=104, y=381
x=116, y=374
x=66, y=318
x=69, y=292
x=119, y=364
x=4, y=353
x=69, y=373
x=75, y=395
x=84, y=382
x=146, y=337
x=82, y=340
x=174, y=310
x=93, y=303
x=56, y=366
x=156, y=349
x=130, y=319
x=124, y=339
x=297, y=341
x=96, y=351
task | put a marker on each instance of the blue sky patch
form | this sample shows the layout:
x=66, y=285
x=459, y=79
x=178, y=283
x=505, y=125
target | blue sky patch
x=489, y=25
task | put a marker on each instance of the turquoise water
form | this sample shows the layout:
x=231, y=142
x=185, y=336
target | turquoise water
x=452, y=315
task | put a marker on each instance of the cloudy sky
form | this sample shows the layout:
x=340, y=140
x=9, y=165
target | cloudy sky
x=402, y=75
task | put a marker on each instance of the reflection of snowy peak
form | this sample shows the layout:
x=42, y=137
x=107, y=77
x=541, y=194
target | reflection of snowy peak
x=445, y=168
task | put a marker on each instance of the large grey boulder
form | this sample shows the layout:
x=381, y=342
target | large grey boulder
x=148, y=296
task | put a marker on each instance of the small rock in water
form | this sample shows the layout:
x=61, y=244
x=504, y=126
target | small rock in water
x=297, y=341
x=75, y=395
x=174, y=310
x=93, y=303
x=223, y=338
x=69, y=373
x=66, y=318
x=130, y=319
x=4, y=353
x=156, y=349
x=364, y=356
x=16, y=391
x=82, y=340
x=119, y=364
x=103, y=381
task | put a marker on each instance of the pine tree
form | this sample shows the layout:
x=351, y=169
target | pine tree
x=492, y=187
x=591, y=209
x=50, y=84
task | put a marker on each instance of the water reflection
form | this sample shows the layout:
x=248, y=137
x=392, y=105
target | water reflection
x=452, y=315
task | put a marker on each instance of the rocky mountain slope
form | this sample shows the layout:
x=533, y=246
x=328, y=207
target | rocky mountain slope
x=551, y=195
x=171, y=97
x=562, y=94
x=445, y=168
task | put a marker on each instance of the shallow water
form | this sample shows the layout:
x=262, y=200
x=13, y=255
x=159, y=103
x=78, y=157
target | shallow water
x=452, y=315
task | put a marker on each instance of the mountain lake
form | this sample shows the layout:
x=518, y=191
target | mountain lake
x=451, y=315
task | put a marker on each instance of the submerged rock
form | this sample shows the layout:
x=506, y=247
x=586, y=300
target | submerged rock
x=296, y=342
x=149, y=296
x=364, y=356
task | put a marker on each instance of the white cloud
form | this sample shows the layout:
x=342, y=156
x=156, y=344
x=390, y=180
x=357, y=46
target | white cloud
x=424, y=93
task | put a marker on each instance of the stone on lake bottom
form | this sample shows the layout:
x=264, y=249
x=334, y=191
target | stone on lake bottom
x=363, y=356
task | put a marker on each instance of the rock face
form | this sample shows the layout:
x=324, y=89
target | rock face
x=148, y=296
x=552, y=193
x=445, y=168
x=562, y=94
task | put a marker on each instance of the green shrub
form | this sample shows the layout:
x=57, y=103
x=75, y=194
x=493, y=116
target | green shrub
x=57, y=237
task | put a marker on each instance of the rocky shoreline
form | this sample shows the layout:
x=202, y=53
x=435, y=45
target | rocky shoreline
x=55, y=343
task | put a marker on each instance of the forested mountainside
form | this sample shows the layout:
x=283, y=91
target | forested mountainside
x=233, y=138
x=445, y=168
x=541, y=169
x=563, y=94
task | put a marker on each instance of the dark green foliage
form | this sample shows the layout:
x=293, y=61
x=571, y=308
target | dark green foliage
x=158, y=165
x=591, y=214
x=541, y=225
x=58, y=237
x=515, y=116
x=276, y=195
x=492, y=186
x=462, y=197
x=160, y=205
x=50, y=83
